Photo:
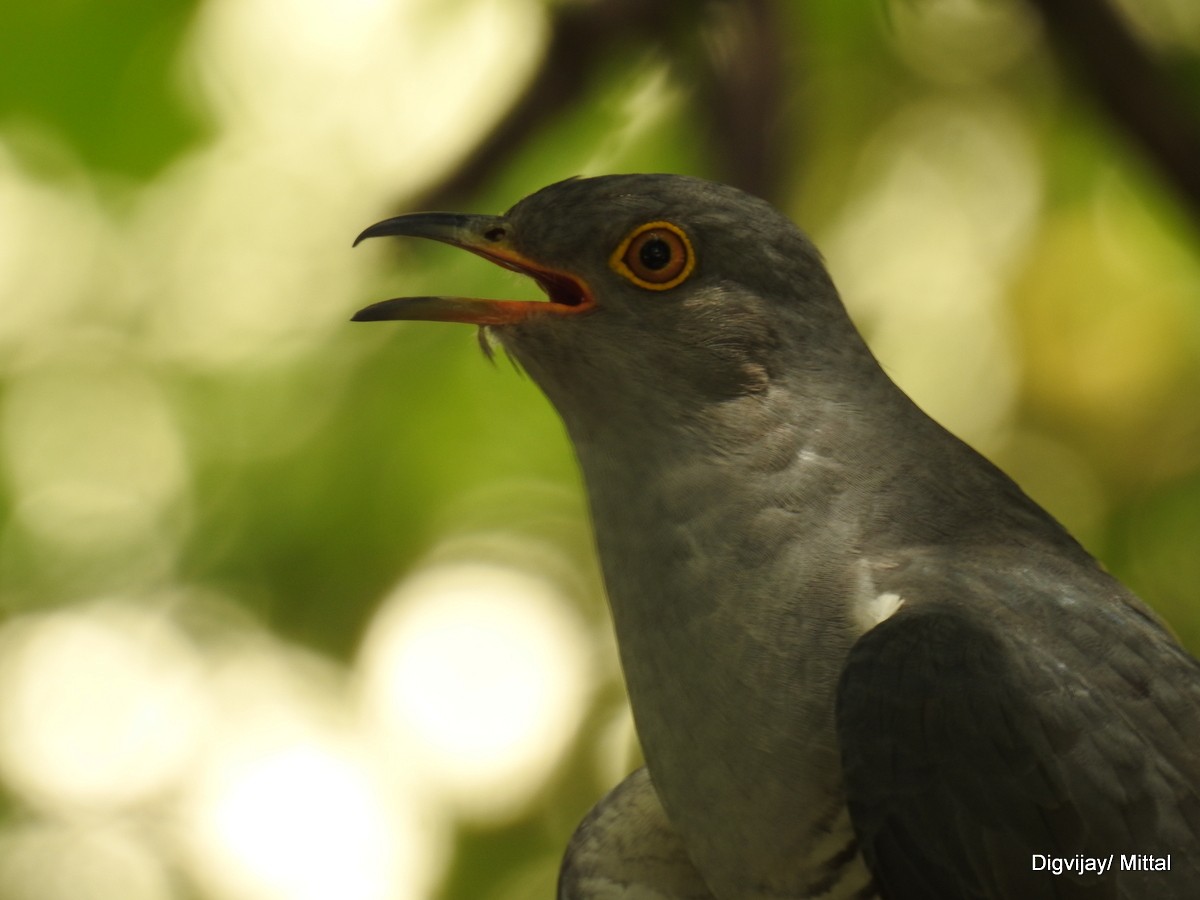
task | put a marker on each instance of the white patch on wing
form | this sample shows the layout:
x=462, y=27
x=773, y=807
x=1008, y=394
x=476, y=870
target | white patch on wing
x=871, y=605
x=872, y=610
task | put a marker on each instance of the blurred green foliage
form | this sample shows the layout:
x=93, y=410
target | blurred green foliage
x=104, y=75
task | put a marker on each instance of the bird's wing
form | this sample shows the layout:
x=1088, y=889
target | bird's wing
x=1008, y=711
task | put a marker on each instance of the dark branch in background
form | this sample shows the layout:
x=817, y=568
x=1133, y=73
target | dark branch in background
x=581, y=35
x=745, y=86
x=738, y=73
x=729, y=52
x=1135, y=90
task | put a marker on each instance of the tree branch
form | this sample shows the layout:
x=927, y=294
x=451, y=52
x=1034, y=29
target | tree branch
x=744, y=90
x=739, y=72
x=580, y=37
x=1134, y=89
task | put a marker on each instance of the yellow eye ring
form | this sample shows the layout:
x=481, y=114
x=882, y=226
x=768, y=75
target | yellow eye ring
x=656, y=256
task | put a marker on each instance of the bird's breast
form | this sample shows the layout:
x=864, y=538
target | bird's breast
x=732, y=624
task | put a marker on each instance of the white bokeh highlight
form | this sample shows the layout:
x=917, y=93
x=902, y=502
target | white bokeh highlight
x=931, y=300
x=290, y=803
x=477, y=675
x=101, y=707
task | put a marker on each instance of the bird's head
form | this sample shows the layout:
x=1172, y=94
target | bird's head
x=664, y=292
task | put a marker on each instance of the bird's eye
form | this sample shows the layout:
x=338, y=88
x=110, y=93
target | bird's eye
x=656, y=256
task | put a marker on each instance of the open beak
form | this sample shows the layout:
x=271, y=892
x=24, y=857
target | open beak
x=491, y=238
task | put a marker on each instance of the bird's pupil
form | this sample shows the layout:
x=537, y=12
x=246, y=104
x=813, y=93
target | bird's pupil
x=655, y=253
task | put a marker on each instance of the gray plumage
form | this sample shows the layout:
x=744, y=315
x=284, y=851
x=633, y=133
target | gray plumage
x=862, y=663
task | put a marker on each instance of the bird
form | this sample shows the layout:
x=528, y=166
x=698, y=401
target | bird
x=861, y=661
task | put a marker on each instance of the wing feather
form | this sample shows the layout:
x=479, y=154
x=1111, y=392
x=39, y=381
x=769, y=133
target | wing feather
x=1007, y=712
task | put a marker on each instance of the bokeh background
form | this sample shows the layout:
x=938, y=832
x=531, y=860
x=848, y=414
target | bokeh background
x=295, y=609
